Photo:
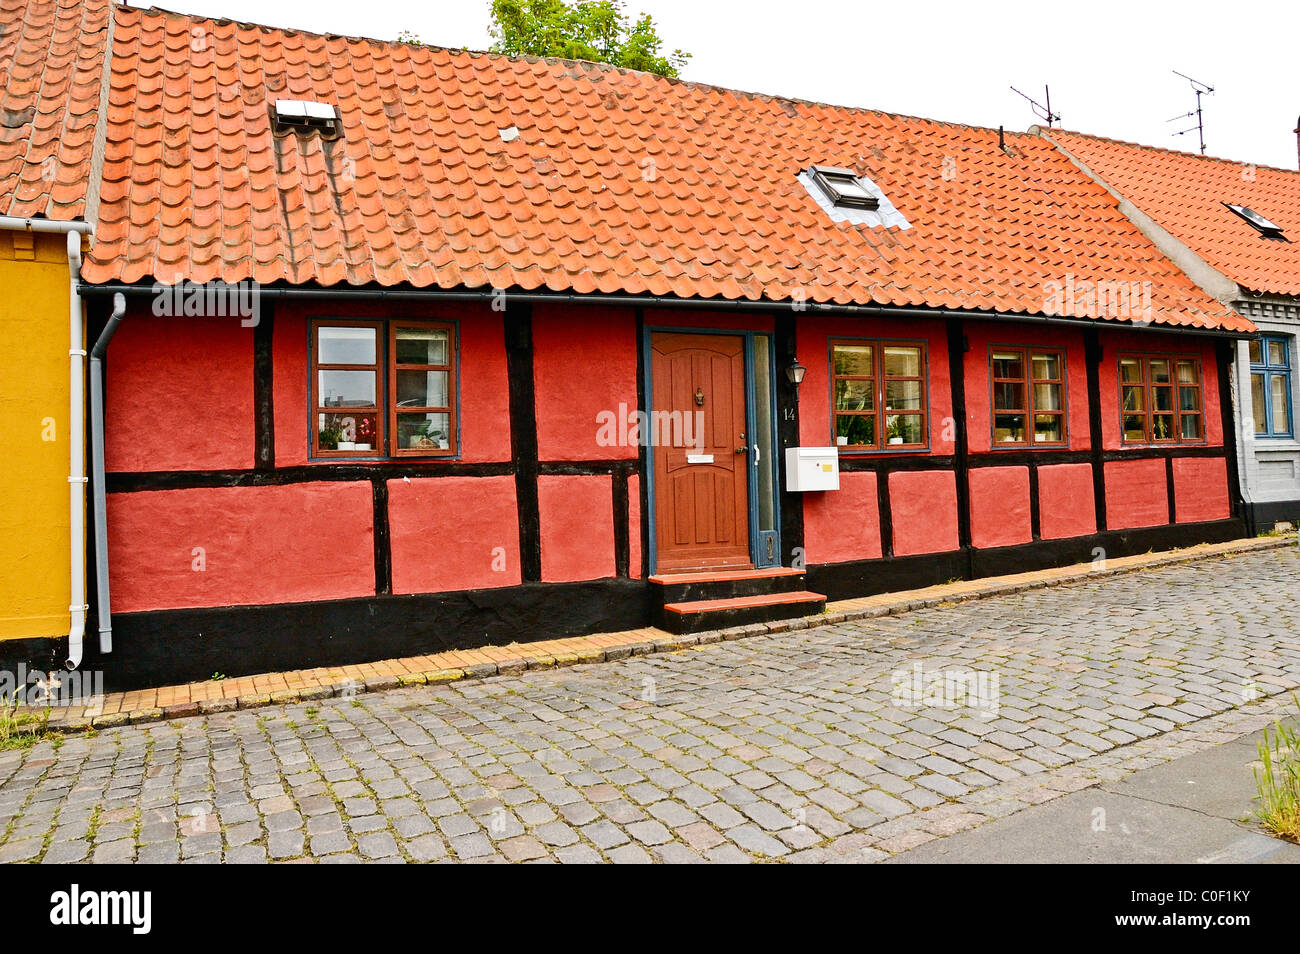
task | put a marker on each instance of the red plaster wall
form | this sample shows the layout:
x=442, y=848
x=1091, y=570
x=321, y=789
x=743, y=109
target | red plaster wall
x=999, y=500
x=1115, y=343
x=1066, y=507
x=982, y=337
x=700, y=318
x=289, y=357
x=453, y=533
x=634, y=567
x=577, y=527
x=584, y=363
x=1135, y=494
x=1201, y=489
x=923, y=508
x=484, y=388
x=178, y=394
x=816, y=428
x=261, y=545
x=844, y=524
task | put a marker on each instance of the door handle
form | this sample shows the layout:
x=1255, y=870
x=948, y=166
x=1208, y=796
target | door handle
x=742, y=448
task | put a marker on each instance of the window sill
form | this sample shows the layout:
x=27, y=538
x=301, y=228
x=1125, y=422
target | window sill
x=877, y=451
x=994, y=448
x=1270, y=443
x=1167, y=445
x=409, y=459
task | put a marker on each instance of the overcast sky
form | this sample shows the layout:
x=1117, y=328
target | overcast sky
x=1108, y=63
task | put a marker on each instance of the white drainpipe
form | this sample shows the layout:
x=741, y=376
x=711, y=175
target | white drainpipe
x=77, y=440
x=76, y=421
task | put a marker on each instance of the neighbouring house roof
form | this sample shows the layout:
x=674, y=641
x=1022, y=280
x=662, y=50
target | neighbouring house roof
x=1187, y=195
x=456, y=169
x=51, y=74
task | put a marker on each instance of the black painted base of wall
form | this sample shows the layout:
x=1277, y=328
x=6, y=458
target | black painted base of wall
x=1264, y=515
x=842, y=581
x=39, y=654
x=167, y=647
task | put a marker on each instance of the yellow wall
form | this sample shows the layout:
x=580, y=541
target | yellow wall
x=34, y=435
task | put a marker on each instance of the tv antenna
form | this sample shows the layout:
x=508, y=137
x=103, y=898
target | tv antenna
x=1201, y=89
x=1042, y=112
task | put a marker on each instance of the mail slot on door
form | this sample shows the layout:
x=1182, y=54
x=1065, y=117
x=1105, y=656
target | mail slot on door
x=812, y=468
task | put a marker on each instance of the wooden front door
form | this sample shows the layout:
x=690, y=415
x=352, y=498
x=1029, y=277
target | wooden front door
x=701, y=451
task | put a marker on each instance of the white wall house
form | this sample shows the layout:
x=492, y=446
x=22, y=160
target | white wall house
x=1266, y=393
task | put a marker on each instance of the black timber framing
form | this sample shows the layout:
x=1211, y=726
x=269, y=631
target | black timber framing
x=264, y=389
x=784, y=347
x=523, y=434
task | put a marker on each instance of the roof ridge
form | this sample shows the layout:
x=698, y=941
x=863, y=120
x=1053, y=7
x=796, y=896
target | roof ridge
x=1038, y=130
x=99, y=144
x=564, y=61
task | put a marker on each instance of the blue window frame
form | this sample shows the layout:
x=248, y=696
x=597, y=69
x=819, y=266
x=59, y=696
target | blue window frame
x=1270, y=385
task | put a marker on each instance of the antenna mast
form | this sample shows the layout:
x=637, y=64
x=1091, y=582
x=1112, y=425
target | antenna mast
x=1042, y=112
x=1201, y=89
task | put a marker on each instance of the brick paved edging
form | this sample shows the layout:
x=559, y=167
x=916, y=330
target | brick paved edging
x=248, y=692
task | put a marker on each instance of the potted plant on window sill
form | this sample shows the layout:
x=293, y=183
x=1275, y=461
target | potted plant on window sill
x=894, y=431
x=427, y=438
x=330, y=435
x=365, y=434
x=347, y=434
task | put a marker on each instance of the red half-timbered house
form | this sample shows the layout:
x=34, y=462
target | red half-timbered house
x=534, y=341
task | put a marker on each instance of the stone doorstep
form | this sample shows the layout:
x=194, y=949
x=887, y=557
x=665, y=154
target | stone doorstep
x=248, y=692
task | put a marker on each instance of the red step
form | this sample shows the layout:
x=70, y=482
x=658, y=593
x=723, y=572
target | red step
x=742, y=602
x=739, y=610
x=719, y=576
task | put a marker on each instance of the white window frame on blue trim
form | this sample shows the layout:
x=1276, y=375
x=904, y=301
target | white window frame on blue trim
x=1265, y=371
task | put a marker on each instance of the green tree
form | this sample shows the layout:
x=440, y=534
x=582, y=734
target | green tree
x=596, y=30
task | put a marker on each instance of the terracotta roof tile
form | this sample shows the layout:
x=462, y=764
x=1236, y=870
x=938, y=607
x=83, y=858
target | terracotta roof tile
x=1184, y=194
x=51, y=68
x=617, y=182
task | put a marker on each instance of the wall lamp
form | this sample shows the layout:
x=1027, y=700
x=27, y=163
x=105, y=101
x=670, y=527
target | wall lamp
x=794, y=374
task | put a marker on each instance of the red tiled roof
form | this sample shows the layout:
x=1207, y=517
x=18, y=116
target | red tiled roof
x=1184, y=194
x=51, y=70
x=618, y=182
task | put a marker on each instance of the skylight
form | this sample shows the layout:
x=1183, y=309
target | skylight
x=304, y=114
x=1263, y=225
x=843, y=188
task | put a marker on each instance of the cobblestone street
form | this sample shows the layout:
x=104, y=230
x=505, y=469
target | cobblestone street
x=804, y=746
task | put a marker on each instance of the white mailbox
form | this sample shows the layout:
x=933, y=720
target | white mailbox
x=812, y=468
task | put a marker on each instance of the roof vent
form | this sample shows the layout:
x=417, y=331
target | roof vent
x=303, y=115
x=1261, y=224
x=843, y=188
